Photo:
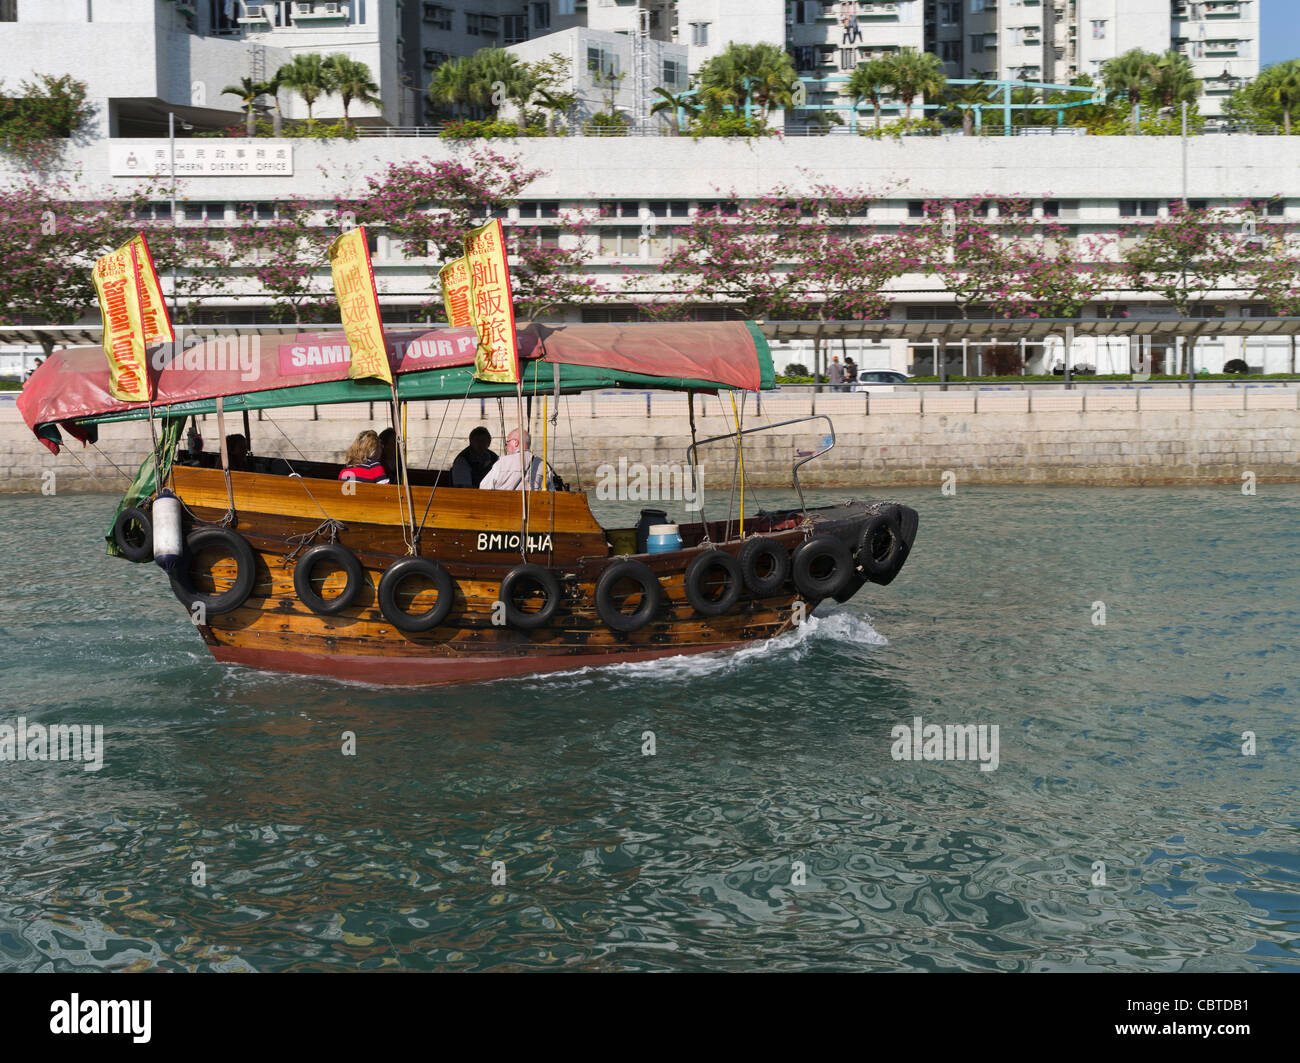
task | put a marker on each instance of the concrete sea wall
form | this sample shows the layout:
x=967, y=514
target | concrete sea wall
x=1115, y=436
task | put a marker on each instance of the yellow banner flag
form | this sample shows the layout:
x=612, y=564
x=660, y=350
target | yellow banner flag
x=455, y=293
x=154, y=320
x=117, y=283
x=354, y=285
x=492, y=304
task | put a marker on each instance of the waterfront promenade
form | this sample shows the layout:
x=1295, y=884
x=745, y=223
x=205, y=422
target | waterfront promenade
x=1094, y=434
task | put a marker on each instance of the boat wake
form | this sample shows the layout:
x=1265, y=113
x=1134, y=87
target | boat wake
x=838, y=628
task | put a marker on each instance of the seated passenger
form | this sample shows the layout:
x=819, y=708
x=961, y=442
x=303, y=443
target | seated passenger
x=363, y=462
x=508, y=475
x=237, y=452
x=388, y=452
x=474, y=462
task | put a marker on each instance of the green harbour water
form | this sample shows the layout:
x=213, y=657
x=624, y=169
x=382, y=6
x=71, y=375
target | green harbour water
x=772, y=829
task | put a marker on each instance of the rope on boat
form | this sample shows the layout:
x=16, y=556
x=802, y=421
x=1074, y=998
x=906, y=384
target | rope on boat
x=460, y=408
x=329, y=526
x=229, y=517
x=695, y=479
x=294, y=474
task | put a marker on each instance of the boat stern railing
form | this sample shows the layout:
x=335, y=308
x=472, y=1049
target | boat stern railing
x=692, y=458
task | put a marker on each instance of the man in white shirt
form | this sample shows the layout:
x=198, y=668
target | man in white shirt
x=508, y=473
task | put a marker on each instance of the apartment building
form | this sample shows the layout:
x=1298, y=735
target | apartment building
x=145, y=59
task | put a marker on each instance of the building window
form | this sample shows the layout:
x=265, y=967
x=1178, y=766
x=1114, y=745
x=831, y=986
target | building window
x=916, y=208
x=256, y=211
x=950, y=51
x=976, y=42
x=976, y=6
x=600, y=63
x=806, y=11
x=699, y=34
x=437, y=16
x=516, y=28
x=950, y=12
x=565, y=7
x=620, y=243
x=1098, y=29
x=1139, y=208
x=669, y=208
x=674, y=76
x=8, y=10
x=540, y=209
x=542, y=16
x=620, y=208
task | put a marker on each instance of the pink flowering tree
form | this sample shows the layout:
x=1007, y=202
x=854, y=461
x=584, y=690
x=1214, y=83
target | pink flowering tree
x=1008, y=263
x=427, y=206
x=790, y=256
x=288, y=257
x=50, y=236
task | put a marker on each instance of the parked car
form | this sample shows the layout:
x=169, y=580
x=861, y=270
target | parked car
x=883, y=380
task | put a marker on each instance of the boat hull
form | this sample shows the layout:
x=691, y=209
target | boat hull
x=469, y=533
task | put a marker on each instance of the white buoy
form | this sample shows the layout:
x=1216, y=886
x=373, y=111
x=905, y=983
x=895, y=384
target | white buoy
x=166, y=519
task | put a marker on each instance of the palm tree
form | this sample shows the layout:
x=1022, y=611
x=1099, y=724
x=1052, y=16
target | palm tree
x=487, y=78
x=1280, y=84
x=248, y=91
x=308, y=76
x=913, y=74
x=762, y=73
x=1127, y=76
x=1173, y=81
x=351, y=79
x=966, y=98
x=554, y=103
x=271, y=88
x=675, y=104
x=868, y=82
x=453, y=83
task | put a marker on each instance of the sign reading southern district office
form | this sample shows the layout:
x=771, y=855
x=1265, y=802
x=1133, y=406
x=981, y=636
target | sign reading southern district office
x=201, y=158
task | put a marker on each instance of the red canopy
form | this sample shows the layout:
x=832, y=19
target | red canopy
x=73, y=383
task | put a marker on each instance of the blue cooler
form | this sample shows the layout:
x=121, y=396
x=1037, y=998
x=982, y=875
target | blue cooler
x=663, y=539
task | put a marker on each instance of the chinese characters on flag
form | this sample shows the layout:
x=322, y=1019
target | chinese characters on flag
x=354, y=285
x=491, y=304
x=455, y=293
x=132, y=308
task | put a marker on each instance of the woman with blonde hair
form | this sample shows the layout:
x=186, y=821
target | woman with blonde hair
x=363, y=462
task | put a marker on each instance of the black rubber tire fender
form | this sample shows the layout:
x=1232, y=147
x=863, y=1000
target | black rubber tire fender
x=543, y=579
x=695, y=575
x=398, y=573
x=753, y=554
x=651, y=596
x=342, y=557
x=135, y=552
x=880, y=552
x=245, y=570
x=816, y=551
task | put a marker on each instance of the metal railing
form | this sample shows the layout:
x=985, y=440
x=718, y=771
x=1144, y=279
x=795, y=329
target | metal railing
x=692, y=460
x=805, y=130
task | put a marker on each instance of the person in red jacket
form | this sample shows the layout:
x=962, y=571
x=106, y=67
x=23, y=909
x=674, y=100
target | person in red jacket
x=363, y=460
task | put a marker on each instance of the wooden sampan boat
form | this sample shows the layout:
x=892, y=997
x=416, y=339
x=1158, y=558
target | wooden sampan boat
x=418, y=582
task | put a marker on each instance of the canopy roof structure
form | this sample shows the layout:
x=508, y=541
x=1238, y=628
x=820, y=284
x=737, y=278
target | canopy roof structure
x=266, y=369
x=1032, y=330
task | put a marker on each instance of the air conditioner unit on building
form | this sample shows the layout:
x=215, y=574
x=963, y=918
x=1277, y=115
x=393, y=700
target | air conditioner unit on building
x=254, y=13
x=302, y=9
x=331, y=9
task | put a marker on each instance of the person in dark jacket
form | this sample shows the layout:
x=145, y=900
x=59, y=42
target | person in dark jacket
x=474, y=462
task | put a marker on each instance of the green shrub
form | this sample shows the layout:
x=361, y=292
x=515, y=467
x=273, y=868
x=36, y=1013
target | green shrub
x=905, y=127
x=728, y=125
x=488, y=128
